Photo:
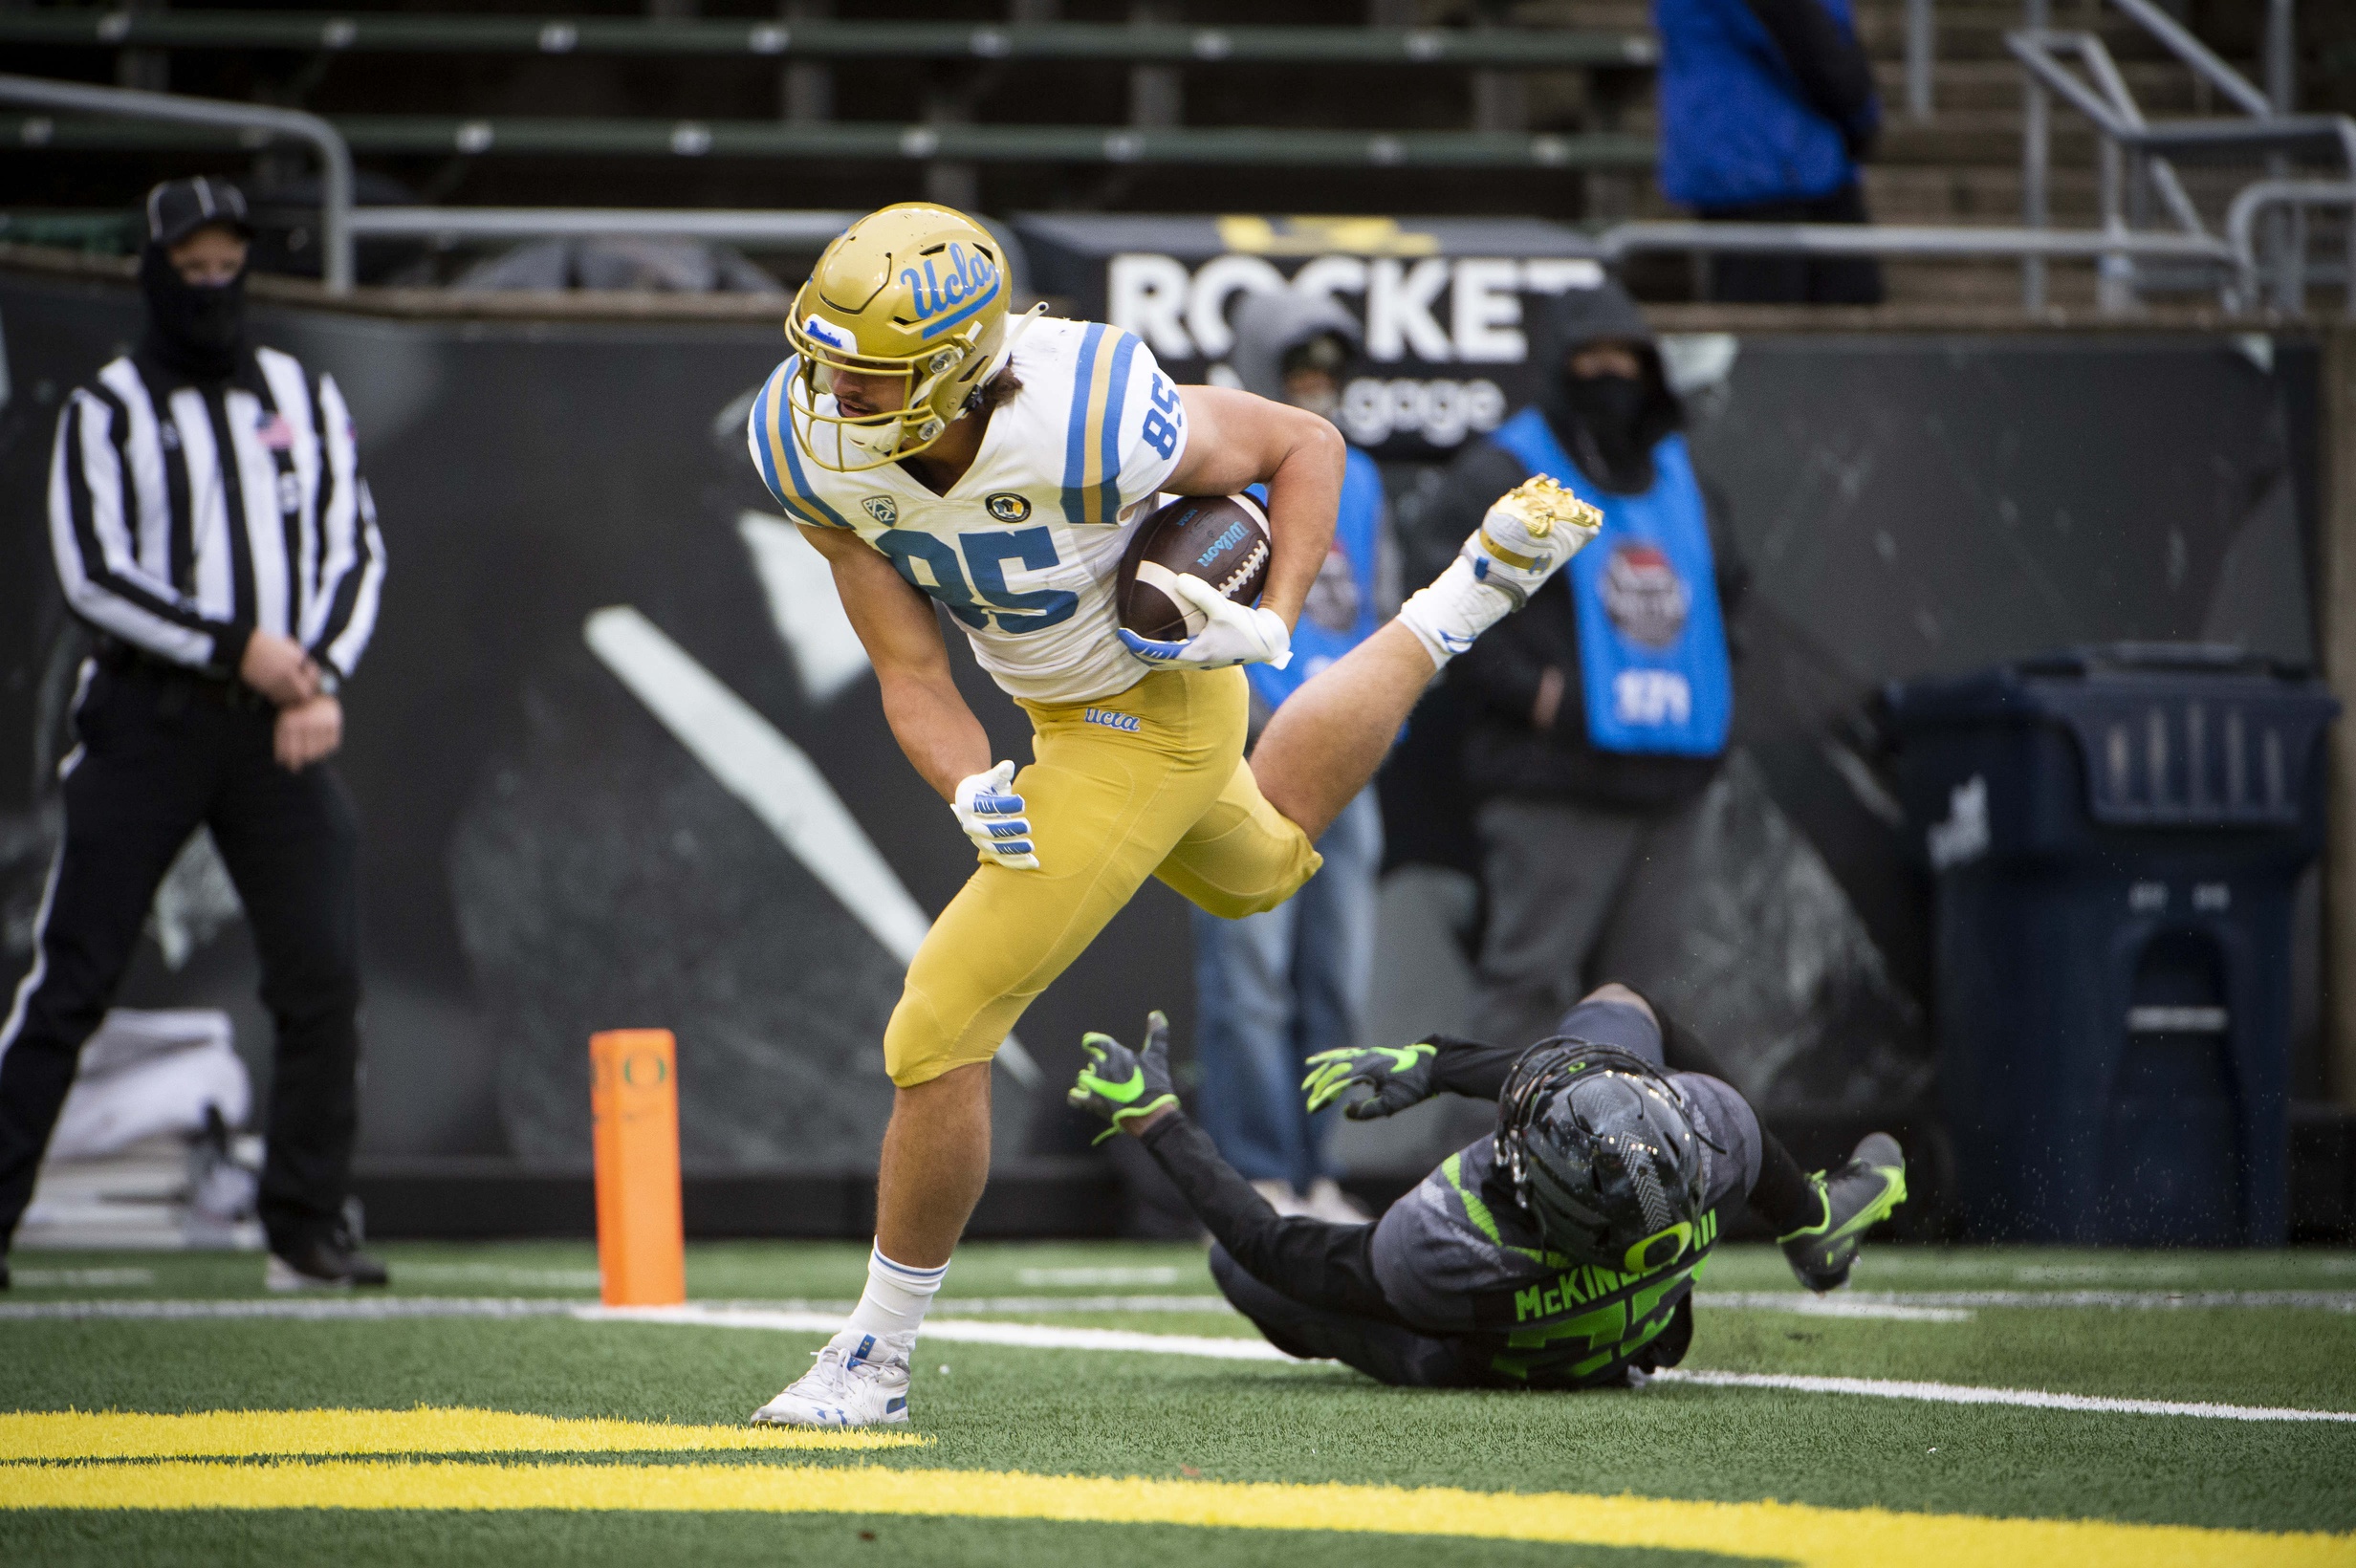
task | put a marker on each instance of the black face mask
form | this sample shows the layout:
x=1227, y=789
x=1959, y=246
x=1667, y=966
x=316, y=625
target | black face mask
x=200, y=333
x=1601, y=419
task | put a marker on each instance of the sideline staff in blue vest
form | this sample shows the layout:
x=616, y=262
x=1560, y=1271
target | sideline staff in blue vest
x=1767, y=108
x=1601, y=711
x=1275, y=987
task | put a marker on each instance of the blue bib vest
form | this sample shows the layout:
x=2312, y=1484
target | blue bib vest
x=1651, y=639
x=1358, y=522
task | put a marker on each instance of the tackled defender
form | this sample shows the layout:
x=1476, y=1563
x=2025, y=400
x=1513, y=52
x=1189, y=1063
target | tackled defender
x=1559, y=1251
x=938, y=452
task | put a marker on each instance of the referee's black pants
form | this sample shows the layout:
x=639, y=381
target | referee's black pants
x=161, y=753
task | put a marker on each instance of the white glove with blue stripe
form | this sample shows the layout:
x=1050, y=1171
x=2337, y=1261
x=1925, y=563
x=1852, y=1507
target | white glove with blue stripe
x=1230, y=634
x=992, y=817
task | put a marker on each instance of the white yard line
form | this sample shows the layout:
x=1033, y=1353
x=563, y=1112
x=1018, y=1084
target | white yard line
x=323, y=1309
x=1956, y=1393
x=1842, y=1305
x=954, y=1330
x=1047, y=1336
x=2117, y=1301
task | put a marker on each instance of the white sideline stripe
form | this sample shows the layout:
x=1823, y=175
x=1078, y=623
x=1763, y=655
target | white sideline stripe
x=1956, y=1393
x=1842, y=1305
x=305, y=1308
x=1043, y=1336
x=775, y=778
x=953, y=1330
x=953, y=1304
x=2118, y=1301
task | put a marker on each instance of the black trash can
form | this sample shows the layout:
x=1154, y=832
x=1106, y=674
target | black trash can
x=2115, y=836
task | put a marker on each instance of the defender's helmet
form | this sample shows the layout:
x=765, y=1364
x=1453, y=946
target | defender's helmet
x=1602, y=1154
x=916, y=291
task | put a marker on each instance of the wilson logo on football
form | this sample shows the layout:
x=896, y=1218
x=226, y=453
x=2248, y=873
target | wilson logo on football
x=1644, y=596
x=951, y=287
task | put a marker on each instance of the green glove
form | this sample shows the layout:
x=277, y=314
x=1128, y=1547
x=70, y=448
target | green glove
x=1123, y=1085
x=1398, y=1076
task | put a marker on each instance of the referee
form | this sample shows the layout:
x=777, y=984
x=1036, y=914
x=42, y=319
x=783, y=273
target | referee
x=210, y=523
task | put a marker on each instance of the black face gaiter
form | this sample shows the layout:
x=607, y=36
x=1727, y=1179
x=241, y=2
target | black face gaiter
x=200, y=333
x=1599, y=417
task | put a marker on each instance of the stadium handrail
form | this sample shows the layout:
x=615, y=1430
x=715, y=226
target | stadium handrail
x=2265, y=124
x=180, y=109
x=1612, y=244
x=2240, y=224
x=1531, y=49
x=982, y=143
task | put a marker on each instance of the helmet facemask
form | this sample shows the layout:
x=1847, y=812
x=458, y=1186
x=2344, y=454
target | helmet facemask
x=1602, y=1155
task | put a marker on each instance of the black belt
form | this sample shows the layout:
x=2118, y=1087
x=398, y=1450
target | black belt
x=120, y=658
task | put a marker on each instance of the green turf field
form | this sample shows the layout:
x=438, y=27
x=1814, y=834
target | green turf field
x=1047, y=1453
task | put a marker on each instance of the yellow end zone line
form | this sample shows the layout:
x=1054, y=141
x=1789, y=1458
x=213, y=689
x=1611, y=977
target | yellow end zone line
x=163, y=1474
x=1818, y=1538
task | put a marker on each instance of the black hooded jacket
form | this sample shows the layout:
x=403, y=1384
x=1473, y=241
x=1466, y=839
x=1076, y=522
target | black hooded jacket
x=1504, y=753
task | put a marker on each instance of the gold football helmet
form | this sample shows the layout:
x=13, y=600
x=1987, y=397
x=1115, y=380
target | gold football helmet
x=916, y=291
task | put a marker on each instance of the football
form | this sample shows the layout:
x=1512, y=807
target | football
x=1222, y=539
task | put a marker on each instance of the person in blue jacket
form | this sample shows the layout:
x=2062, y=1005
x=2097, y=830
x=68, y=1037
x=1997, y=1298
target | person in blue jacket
x=1274, y=989
x=1594, y=719
x=1767, y=107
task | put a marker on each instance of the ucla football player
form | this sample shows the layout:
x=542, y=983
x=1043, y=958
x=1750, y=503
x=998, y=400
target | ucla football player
x=938, y=451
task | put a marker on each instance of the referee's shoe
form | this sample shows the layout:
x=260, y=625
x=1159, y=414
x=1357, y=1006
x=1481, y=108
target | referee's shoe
x=322, y=1260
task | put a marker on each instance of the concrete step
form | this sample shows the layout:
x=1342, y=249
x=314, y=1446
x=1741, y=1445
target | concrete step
x=1976, y=137
x=1958, y=283
x=1974, y=195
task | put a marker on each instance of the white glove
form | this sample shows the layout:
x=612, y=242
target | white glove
x=1232, y=633
x=991, y=815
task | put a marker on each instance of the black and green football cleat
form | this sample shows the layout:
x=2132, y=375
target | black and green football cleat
x=1856, y=1198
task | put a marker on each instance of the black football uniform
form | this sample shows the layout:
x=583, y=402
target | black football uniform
x=1452, y=1286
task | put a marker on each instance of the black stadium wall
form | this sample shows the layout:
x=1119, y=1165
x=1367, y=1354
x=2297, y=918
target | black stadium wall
x=584, y=571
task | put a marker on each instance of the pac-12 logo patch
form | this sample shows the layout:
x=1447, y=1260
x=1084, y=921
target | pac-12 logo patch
x=1009, y=508
x=883, y=509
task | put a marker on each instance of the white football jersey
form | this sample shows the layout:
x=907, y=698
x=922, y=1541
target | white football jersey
x=1024, y=548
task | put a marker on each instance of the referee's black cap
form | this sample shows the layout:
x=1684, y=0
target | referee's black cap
x=177, y=208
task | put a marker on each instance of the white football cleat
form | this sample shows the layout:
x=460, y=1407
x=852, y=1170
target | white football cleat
x=1528, y=533
x=858, y=1382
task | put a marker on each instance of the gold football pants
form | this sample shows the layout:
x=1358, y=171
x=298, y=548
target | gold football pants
x=1151, y=782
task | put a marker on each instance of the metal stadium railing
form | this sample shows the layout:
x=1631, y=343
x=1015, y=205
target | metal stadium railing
x=1530, y=49
x=239, y=120
x=2138, y=157
x=1236, y=145
x=2232, y=257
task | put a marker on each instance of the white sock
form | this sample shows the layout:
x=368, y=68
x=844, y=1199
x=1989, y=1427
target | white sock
x=893, y=1305
x=1453, y=610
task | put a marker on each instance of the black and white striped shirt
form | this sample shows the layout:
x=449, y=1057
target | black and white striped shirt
x=184, y=516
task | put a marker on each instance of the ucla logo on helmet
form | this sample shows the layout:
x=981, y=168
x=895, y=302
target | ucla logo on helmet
x=949, y=287
x=883, y=509
x=1009, y=508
